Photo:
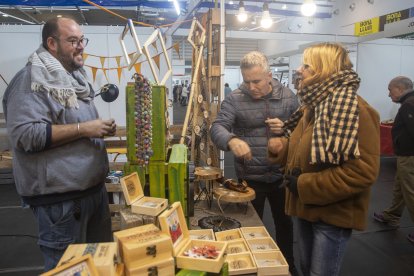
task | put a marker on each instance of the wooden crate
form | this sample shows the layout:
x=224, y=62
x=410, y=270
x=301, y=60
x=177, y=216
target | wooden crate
x=229, y=235
x=237, y=246
x=271, y=263
x=262, y=244
x=241, y=263
x=254, y=232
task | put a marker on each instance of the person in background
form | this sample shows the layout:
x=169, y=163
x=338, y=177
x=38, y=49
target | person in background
x=245, y=123
x=401, y=91
x=227, y=89
x=59, y=158
x=331, y=158
x=184, y=95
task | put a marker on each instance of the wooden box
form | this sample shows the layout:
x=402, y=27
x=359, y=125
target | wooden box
x=254, y=232
x=162, y=267
x=271, y=263
x=172, y=221
x=241, y=263
x=103, y=255
x=134, y=196
x=202, y=234
x=237, y=246
x=82, y=265
x=143, y=244
x=229, y=235
x=262, y=244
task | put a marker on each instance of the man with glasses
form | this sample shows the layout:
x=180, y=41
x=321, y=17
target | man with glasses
x=59, y=159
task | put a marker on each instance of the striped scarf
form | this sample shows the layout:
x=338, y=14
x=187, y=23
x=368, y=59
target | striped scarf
x=335, y=105
x=48, y=75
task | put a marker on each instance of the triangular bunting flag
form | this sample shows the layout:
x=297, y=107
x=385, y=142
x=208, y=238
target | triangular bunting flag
x=154, y=44
x=177, y=49
x=106, y=77
x=118, y=60
x=84, y=56
x=102, y=61
x=130, y=56
x=157, y=60
x=119, y=74
x=94, y=69
x=137, y=67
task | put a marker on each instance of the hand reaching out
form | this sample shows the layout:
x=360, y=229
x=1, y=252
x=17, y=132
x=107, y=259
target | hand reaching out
x=240, y=148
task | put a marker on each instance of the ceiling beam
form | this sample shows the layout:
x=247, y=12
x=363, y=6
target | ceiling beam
x=28, y=15
x=82, y=15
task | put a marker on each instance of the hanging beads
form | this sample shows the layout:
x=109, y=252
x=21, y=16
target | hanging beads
x=143, y=119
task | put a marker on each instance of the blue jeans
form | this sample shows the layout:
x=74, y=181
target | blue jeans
x=59, y=226
x=321, y=247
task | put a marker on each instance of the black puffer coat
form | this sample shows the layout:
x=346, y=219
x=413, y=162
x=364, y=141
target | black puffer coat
x=244, y=117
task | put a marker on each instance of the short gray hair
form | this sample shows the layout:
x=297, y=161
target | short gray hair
x=255, y=58
x=403, y=82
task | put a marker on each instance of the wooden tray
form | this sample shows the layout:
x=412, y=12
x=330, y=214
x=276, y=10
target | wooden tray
x=262, y=244
x=241, y=263
x=254, y=232
x=271, y=263
x=229, y=235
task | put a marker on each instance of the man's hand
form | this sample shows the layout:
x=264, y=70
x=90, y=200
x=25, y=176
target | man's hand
x=240, y=148
x=97, y=128
x=275, y=145
x=275, y=125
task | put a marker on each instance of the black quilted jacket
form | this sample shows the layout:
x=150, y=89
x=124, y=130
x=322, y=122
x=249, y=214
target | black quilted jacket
x=244, y=117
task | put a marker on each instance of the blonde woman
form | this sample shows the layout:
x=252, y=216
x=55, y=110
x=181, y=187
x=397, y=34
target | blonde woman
x=331, y=158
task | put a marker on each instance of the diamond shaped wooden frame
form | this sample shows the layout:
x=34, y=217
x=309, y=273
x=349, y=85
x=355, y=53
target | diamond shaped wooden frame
x=157, y=34
x=130, y=27
x=195, y=24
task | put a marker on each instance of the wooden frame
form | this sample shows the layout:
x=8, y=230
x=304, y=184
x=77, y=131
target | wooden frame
x=130, y=27
x=82, y=264
x=149, y=41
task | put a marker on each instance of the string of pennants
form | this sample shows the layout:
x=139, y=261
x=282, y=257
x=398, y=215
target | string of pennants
x=119, y=68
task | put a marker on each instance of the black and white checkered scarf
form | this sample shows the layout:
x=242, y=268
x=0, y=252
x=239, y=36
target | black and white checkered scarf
x=335, y=105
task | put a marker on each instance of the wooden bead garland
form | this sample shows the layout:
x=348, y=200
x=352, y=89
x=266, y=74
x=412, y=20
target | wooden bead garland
x=143, y=119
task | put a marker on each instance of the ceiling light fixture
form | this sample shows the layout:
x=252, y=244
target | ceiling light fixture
x=308, y=8
x=284, y=7
x=176, y=6
x=242, y=15
x=266, y=21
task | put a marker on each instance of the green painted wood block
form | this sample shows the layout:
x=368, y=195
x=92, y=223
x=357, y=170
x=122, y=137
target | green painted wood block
x=156, y=172
x=177, y=176
x=158, y=123
x=186, y=272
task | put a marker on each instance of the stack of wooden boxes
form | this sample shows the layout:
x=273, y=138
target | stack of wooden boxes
x=145, y=250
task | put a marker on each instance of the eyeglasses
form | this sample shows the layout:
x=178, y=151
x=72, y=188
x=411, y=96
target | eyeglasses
x=76, y=42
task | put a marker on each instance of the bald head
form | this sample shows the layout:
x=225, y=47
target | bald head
x=398, y=87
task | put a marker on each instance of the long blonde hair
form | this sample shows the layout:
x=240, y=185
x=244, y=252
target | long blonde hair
x=325, y=59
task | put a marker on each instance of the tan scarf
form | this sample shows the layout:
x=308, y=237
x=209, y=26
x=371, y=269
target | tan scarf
x=335, y=105
x=49, y=76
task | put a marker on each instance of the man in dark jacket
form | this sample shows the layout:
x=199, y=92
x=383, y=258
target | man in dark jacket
x=248, y=117
x=401, y=91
